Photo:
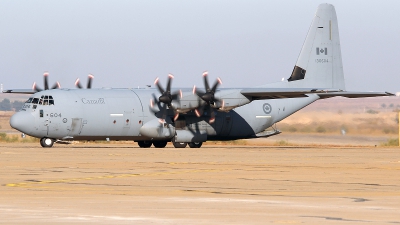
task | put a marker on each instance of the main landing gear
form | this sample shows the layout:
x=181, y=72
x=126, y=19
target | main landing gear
x=195, y=144
x=184, y=144
x=147, y=144
x=46, y=142
x=162, y=144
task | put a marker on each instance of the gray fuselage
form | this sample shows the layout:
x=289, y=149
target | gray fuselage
x=118, y=114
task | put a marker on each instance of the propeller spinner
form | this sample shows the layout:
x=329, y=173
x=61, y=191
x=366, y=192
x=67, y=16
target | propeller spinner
x=209, y=97
x=166, y=97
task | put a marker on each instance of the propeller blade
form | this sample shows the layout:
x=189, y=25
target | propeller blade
x=197, y=112
x=46, y=83
x=89, y=83
x=217, y=82
x=176, y=116
x=164, y=111
x=56, y=85
x=160, y=88
x=36, y=88
x=205, y=74
x=212, y=116
x=175, y=95
x=151, y=103
x=197, y=92
x=78, y=84
x=223, y=104
x=170, y=77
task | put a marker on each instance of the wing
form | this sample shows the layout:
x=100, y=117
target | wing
x=20, y=91
x=352, y=94
x=274, y=93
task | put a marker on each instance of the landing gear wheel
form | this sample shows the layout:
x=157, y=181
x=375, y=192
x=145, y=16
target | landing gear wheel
x=195, y=144
x=46, y=142
x=179, y=144
x=144, y=144
x=160, y=144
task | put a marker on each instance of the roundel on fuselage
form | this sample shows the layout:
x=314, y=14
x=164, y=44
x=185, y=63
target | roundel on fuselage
x=267, y=108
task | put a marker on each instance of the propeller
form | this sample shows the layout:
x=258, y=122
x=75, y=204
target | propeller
x=208, y=97
x=46, y=84
x=89, y=83
x=166, y=98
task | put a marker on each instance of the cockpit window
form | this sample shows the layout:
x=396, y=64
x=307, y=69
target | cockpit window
x=51, y=101
x=45, y=100
x=29, y=100
x=41, y=100
x=35, y=101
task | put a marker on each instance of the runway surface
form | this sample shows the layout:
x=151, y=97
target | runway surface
x=123, y=184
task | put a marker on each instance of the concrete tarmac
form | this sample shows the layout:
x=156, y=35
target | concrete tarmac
x=124, y=184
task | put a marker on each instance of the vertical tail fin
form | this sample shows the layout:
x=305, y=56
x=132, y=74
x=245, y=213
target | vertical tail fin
x=320, y=61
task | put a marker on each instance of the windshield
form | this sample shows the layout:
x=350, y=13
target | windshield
x=43, y=100
x=35, y=101
x=29, y=100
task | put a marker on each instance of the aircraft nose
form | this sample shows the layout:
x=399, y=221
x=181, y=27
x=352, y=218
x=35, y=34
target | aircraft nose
x=22, y=121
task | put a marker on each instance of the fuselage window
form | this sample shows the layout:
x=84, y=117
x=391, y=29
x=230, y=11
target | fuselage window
x=35, y=101
x=41, y=113
x=29, y=100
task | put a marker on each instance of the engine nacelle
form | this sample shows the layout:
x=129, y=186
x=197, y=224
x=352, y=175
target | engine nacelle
x=157, y=130
x=229, y=99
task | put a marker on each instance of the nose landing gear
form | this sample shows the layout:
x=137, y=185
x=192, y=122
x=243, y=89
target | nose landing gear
x=46, y=142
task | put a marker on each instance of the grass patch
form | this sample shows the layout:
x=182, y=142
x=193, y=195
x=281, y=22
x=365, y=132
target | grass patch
x=15, y=138
x=234, y=142
x=320, y=129
x=282, y=143
x=371, y=111
x=391, y=142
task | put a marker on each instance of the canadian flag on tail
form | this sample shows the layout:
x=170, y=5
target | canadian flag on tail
x=322, y=51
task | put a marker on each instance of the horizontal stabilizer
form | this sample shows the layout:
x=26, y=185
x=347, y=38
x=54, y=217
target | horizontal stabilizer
x=274, y=93
x=20, y=91
x=349, y=94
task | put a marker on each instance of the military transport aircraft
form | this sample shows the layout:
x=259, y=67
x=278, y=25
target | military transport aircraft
x=155, y=116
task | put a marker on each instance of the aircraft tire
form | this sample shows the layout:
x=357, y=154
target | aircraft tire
x=160, y=144
x=46, y=142
x=195, y=144
x=144, y=144
x=179, y=144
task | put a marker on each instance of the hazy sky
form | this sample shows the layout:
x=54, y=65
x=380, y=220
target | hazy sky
x=246, y=43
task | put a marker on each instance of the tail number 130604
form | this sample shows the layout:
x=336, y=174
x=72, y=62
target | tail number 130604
x=321, y=60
